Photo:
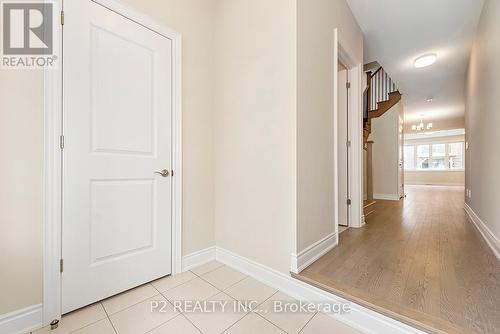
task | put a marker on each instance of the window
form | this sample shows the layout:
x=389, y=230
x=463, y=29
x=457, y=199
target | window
x=423, y=151
x=409, y=157
x=438, y=163
x=423, y=156
x=438, y=156
x=438, y=150
x=456, y=155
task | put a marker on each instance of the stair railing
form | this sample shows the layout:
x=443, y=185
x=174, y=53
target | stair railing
x=380, y=85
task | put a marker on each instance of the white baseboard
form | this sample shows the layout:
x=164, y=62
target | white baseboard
x=307, y=256
x=387, y=197
x=488, y=236
x=360, y=318
x=22, y=321
x=198, y=258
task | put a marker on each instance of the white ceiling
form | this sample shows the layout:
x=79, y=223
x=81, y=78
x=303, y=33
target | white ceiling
x=398, y=31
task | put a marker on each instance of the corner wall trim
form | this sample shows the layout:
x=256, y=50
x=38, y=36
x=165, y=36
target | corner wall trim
x=198, y=258
x=22, y=321
x=488, y=236
x=360, y=318
x=313, y=252
x=387, y=197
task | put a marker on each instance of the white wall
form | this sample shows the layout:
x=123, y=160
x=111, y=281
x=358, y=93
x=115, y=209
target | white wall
x=482, y=119
x=385, y=134
x=21, y=107
x=255, y=129
x=316, y=21
x=21, y=149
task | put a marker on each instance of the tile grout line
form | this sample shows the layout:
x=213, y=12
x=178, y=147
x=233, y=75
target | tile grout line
x=109, y=319
x=192, y=323
x=234, y=300
x=163, y=323
x=249, y=312
x=126, y=308
x=272, y=323
x=214, y=269
x=307, y=323
x=222, y=290
x=155, y=295
x=175, y=286
x=168, y=301
x=276, y=324
x=182, y=313
x=92, y=323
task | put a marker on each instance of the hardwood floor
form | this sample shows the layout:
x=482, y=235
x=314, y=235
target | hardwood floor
x=418, y=260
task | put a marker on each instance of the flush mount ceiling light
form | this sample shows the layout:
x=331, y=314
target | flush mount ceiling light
x=425, y=60
x=430, y=99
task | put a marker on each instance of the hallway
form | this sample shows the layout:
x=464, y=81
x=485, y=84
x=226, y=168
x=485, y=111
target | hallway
x=418, y=260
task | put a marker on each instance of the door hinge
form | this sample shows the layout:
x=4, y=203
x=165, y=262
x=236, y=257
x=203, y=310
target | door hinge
x=61, y=265
x=348, y=143
x=347, y=85
x=348, y=201
x=61, y=141
x=62, y=17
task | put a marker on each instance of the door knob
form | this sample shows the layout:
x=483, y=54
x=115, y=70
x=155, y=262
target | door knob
x=164, y=173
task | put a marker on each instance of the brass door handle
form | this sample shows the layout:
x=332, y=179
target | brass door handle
x=164, y=173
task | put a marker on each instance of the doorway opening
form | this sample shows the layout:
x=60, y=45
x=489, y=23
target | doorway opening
x=343, y=146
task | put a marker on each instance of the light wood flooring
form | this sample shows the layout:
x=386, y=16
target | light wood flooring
x=418, y=260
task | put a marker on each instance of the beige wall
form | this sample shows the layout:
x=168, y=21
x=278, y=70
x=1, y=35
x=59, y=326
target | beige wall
x=21, y=149
x=194, y=19
x=316, y=21
x=21, y=106
x=255, y=122
x=385, y=134
x=482, y=119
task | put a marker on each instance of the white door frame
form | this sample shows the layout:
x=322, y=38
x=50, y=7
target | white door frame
x=355, y=124
x=52, y=197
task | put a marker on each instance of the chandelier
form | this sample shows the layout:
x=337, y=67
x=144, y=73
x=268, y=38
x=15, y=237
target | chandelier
x=421, y=126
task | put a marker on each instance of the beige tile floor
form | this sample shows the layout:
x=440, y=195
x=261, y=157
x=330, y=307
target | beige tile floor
x=130, y=312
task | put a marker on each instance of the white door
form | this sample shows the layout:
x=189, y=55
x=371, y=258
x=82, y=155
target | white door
x=117, y=111
x=343, y=150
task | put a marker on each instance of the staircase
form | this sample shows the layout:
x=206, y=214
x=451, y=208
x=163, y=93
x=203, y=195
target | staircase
x=381, y=94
